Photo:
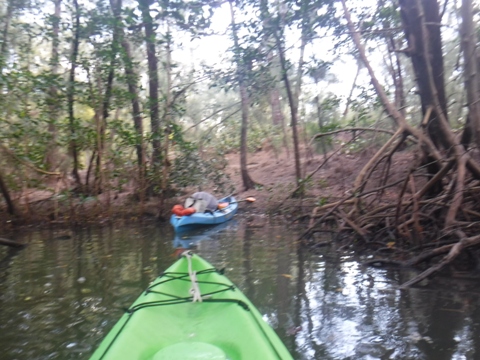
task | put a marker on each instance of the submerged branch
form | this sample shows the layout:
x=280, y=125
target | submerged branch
x=455, y=250
x=11, y=243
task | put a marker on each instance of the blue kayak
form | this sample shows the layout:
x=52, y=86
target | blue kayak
x=181, y=223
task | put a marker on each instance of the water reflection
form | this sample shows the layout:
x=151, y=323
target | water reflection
x=190, y=238
x=59, y=298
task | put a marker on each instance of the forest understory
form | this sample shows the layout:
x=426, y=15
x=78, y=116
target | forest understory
x=392, y=225
x=406, y=185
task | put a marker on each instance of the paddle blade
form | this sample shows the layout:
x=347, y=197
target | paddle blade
x=223, y=205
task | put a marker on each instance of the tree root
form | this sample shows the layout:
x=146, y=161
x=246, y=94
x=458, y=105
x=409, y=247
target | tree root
x=454, y=251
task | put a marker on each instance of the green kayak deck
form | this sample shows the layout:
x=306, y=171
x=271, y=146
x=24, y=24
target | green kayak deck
x=164, y=323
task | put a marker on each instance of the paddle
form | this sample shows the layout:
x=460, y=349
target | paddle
x=249, y=199
x=223, y=205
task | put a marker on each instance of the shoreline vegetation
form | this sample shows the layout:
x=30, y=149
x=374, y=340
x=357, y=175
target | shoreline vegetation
x=103, y=118
x=274, y=201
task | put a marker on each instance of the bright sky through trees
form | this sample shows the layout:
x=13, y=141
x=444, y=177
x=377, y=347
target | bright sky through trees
x=213, y=50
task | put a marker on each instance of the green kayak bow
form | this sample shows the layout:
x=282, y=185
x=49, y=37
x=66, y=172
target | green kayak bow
x=191, y=312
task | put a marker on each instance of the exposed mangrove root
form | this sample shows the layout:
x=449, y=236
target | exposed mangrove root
x=455, y=250
x=432, y=202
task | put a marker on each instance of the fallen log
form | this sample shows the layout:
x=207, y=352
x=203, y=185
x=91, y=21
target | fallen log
x=11, y=243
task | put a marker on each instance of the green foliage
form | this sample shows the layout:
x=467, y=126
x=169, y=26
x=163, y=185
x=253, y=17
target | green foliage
x=322, y=183
x=322, y=201
x=356, y=146
x=203, y=121
x=193, y=168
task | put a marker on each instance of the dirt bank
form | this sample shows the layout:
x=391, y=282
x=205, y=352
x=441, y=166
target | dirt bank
x=275, y=174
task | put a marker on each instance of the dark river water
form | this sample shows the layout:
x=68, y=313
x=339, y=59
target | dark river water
x=59, y=297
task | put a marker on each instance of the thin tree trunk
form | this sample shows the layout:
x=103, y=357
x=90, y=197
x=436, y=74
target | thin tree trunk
x=275, y=105
x=3, y=48
x=51, y=153
x=293, y=110
x=298, y=82
x=304, y=38
x=131, y=78
x=470, y=73
x=71, y=93
x=400, y=101
x=6, y=195
x=395, y=65
x=278, y=119
x=136, y=111
x=303, y=44
x=102, y=121
x=277, y=115
x=168, y=110
x=354, y=85
x=150, y=41
x=248, y=183
x=6, y=27
x=320, y=125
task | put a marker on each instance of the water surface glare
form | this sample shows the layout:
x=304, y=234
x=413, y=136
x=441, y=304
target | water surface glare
x=59, y=297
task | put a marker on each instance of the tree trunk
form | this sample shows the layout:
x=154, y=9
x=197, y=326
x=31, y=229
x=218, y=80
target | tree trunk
x=413, y=28
x=6, y=195
x=71, y=93
x=470, y=73
x=247, y=181
x=298, y=83
x=320, y=125
x=303, y=43
x=397, y=77
x=167, y=118
x=6, y=27
x=150, y=41
x=278, y=118
x=275, y=105
x=277, y=115
x=53, y=108
x=131, y=78
x=417, y=17
x=354, y=85
x=293, y=109
x=105, y=109
x=136, y=111
x=395, y=67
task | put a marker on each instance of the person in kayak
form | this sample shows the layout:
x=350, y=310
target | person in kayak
x=202, y=202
